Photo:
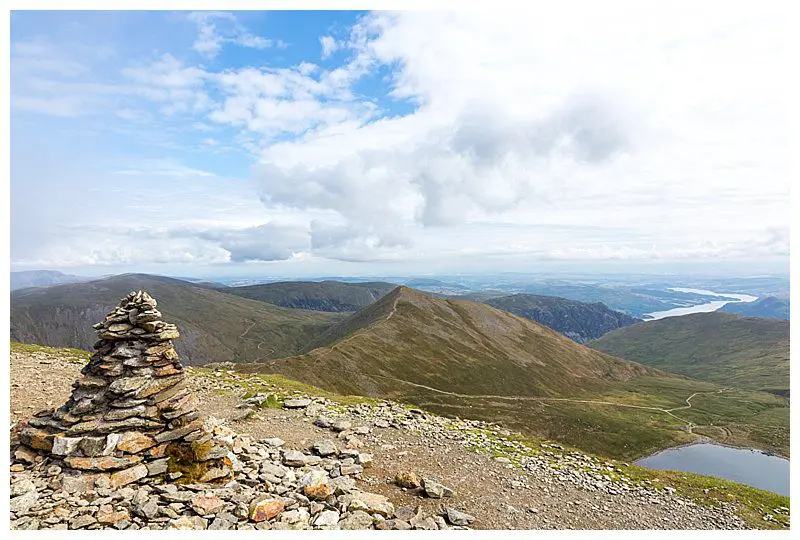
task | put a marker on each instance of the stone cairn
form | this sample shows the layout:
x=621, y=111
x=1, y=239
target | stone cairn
x=131, y=417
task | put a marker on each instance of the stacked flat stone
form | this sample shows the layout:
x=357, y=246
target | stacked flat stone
x=131, y=416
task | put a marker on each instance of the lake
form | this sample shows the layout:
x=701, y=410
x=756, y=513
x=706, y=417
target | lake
x=700, y=308
x=742, y=465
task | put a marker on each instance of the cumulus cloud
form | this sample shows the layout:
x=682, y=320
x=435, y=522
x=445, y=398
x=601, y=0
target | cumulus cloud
x=329, y=46
x=480, y=134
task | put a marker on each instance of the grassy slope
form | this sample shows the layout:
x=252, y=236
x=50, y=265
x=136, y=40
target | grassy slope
x=214, y=326
x=455, y=345
x=776, y=308
x=316, y=295
x=752, y=503
x=472, y=349
x=745, y=352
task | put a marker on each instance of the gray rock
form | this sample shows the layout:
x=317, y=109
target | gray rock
x=356, y=520
x=82, y=521
x=299, y=403
x=327, y=518
x=23, y=503
x=341, y=425
x=20, y=487
x=455, y=517
x=323, y=422
x=324, y=448
x=294, y=458
x=434, y=489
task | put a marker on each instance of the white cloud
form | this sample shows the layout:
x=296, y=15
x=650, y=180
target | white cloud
x=329, y=46
x=577, y=136
x=216, y=28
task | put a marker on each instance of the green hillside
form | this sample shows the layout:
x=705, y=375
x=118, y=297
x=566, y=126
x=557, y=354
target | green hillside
x=468, y=359
x=215, y=326
x=771, y=306
x=745, y=352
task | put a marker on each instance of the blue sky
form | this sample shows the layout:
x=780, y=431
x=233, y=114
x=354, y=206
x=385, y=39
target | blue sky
x=314, y=143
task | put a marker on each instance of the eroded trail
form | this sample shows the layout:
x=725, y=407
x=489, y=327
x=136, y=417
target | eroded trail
x=689, y=424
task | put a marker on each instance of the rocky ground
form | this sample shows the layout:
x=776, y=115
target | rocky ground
x=310, y=462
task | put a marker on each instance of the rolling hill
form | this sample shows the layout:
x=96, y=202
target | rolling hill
x=579, y=321
x=746, y=352
x=214, y=326
x=41, y=278
x=456, y=345
x=771, y=307
x=335, y=296
x=468, y=359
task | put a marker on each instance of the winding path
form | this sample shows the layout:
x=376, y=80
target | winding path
x=689, y=424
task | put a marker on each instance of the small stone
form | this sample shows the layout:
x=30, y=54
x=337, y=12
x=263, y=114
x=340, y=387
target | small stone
x=393, y=525
x=127, y=384
x=316, y=485
x=133, y=442
x=157, y=467
x=434, y=489
x=356, y=520
x=206, y=505
x=65, y=446
x=407, y=479
x=107, y=515
x=26, y=455
x=454, y=517
x=265, y=508
x=22, y=503
x=327, y=518
x=21, y=487
x=323, y=422
x=341, y=425
x=188, y=523
x=294, y=458
x=324, y=448
x=102, y=463
x=300, y=403
x=82, y=521
x=365, y=460
x=127, y=476
x=274, y=441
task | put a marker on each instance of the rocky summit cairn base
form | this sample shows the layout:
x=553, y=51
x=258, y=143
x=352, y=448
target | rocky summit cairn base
x=131, y=416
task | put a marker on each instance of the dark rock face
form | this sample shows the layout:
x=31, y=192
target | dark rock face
x=578, y=321
x=130, y=414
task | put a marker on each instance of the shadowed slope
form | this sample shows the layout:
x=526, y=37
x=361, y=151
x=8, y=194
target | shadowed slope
x=315, y=295
x=215, y=326
x=580, y=321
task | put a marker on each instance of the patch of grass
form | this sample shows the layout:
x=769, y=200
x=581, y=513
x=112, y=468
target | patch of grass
x=752, y=503
x=76, y=356
x=276, y=384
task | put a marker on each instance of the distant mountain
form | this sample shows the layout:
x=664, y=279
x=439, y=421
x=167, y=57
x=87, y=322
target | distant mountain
x=772, y=307
x=40, y=278
x=579, y=321
x=746, y=352
x=333, y=296
x=215, y=326
x=455, y=345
